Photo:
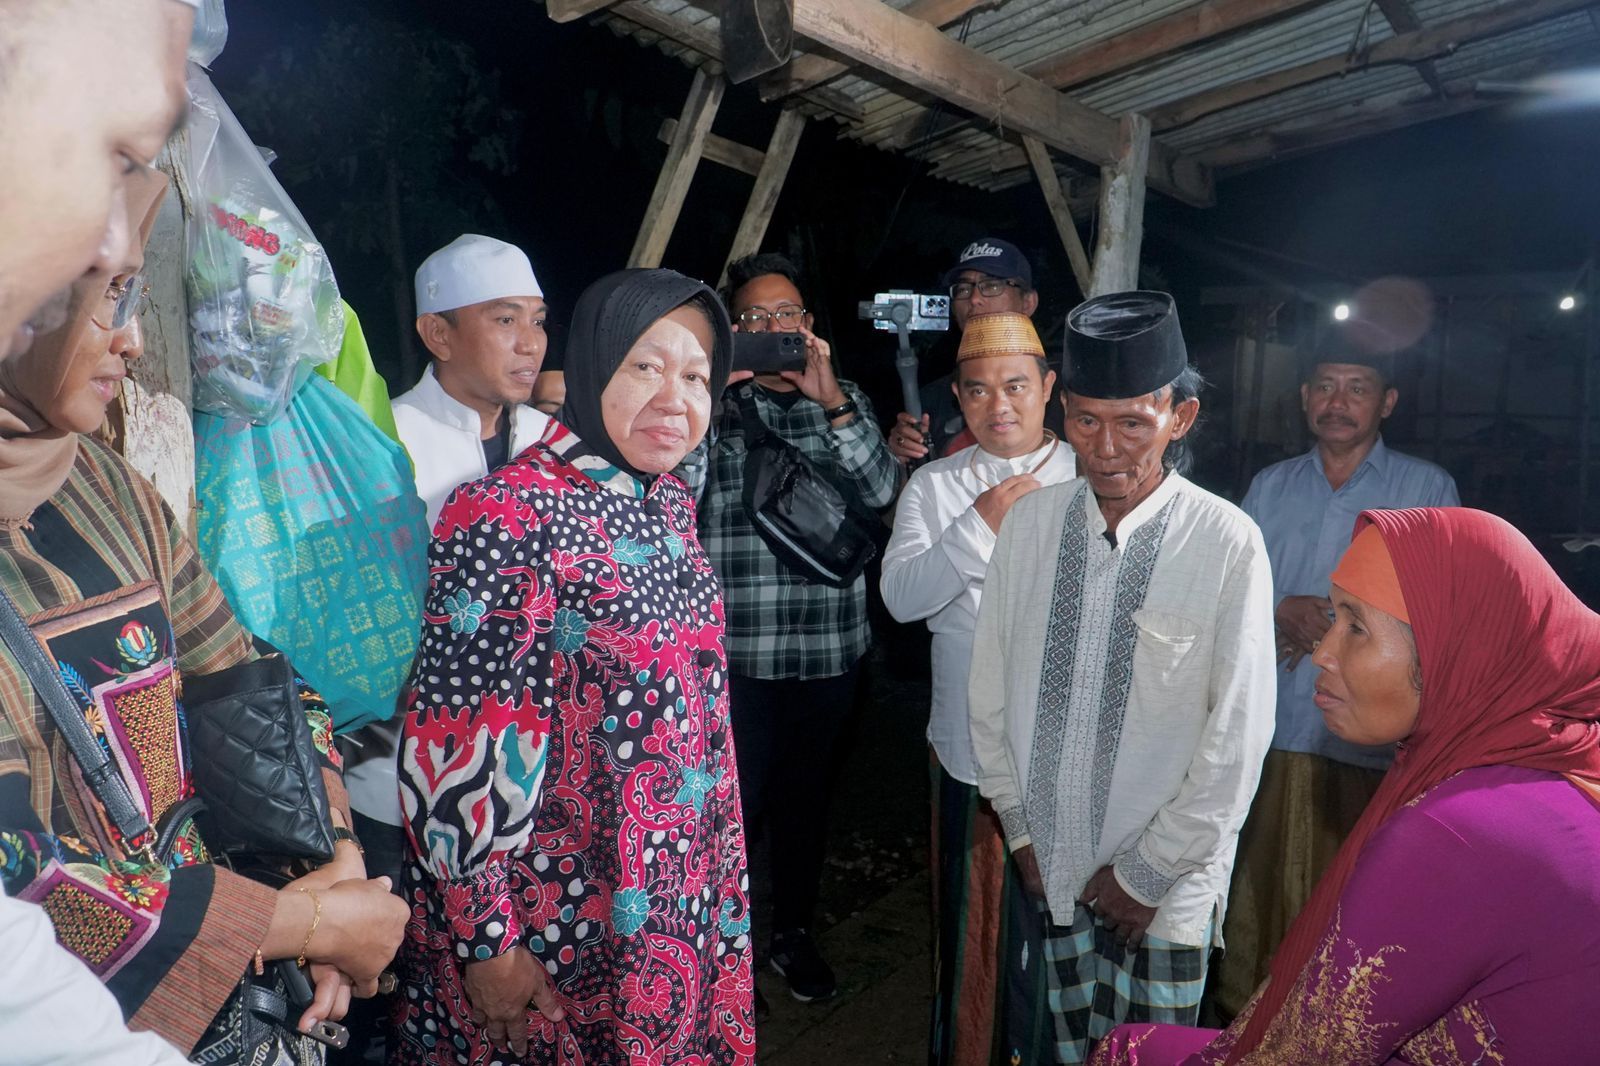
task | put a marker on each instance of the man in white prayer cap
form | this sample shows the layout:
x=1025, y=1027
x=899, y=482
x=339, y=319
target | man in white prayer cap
x=90, y=90
x=481, y=313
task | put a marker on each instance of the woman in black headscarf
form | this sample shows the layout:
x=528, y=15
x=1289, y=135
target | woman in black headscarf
x=578, y=878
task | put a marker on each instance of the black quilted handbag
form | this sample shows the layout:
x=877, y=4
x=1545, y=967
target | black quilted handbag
x=255, y=764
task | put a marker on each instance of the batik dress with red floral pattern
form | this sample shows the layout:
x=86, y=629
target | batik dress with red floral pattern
x=113, y=589
x=568, y=775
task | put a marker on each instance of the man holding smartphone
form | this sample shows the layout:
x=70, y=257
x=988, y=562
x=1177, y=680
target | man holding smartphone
x=793, y=644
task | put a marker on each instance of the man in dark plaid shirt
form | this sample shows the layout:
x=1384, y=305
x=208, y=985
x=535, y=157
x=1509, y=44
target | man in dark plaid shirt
x=793, y=645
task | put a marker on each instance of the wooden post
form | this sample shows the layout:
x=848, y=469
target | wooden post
x=1116, y=255
x=769, y=184
x=157, y=426
x=1055, y=199
x=677, y=170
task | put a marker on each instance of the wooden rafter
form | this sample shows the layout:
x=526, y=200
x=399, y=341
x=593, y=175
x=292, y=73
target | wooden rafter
x=720, y=150
x=1428, y=43
x=1189, y=26
x=808, y=71
x=913, y=52
x=1162, y=36
x=1378, y=114
x=572, y=10
x=1404, y=20
x=707, y=44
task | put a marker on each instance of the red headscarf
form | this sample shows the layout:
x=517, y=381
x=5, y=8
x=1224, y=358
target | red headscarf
x=1510, y=677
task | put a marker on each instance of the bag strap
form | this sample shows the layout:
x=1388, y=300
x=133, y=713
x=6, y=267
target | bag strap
x=101, y=774
x=750, y=416
x=751, y=424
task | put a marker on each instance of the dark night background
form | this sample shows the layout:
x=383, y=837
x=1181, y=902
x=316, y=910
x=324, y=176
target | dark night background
x=399, y=125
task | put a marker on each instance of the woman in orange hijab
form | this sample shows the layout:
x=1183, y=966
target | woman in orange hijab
x=1460, y=923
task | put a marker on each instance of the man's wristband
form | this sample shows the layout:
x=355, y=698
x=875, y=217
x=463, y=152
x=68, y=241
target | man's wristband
x=847, y=408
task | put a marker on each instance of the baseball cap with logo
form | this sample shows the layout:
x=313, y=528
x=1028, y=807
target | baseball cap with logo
x=992, y=256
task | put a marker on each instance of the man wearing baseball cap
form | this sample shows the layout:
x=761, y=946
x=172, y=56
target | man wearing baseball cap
x=481, y=313
x=989, y=276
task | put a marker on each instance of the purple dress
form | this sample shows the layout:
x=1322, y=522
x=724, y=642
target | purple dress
x=1469, y=933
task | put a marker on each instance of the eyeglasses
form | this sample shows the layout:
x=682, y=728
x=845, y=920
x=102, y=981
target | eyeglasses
x=990, y=287
x=128, y=302
x=787, y=317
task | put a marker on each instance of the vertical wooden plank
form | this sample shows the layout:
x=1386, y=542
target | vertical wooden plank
x=1055, y=199
x=677, y=170
x=157, y=428
x=1122, y=186
x=768, y=187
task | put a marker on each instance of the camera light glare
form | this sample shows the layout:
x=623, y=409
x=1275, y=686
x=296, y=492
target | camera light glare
x=1341, y=312
x=1568, y=302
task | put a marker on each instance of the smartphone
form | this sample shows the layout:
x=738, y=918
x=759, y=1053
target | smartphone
x=770, y=352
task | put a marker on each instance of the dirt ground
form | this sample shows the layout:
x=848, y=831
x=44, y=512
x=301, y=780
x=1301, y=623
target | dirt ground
x=873, y=923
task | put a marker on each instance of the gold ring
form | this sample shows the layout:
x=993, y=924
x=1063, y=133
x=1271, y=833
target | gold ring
x=387, y=982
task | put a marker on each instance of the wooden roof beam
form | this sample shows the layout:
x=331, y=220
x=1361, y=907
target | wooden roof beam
x=1335, y=126
x=572, y=10
x=917, y=54
x=1404, y=20
x=808, y=71
x=709, y=45
x=1189, y=26
x=720, y=150
x=1429, y=43
x=1185, y=27
x=1374, y=115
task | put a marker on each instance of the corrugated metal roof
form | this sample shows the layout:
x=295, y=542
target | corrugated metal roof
x=965, y=149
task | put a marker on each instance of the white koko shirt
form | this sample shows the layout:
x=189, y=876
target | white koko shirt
x=1122, y=698
x=933, y=569
x=444, y=437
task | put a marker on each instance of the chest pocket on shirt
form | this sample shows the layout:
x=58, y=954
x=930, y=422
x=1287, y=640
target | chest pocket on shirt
x=1163, y=640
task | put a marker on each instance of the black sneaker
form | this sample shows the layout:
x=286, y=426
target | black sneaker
x=795, y=956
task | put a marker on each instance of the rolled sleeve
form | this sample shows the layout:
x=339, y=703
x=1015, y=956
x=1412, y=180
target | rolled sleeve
x=863, y=453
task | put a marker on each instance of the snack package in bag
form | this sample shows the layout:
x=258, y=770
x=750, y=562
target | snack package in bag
x=313, y=529
x=264, y=307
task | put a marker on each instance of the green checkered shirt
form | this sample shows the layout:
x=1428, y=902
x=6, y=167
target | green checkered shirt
x=780, y=624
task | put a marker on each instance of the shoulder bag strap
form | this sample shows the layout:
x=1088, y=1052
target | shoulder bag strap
x=753, y=427
x=101, y=774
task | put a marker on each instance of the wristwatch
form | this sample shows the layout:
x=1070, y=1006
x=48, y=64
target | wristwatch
x=341, y=833
x=847, y=408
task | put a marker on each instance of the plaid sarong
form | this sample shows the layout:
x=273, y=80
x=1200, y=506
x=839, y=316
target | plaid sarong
x=1101, y=984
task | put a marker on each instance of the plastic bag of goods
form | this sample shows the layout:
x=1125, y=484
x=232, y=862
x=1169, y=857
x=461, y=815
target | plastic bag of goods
x=314, y=531
x=263, y=305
